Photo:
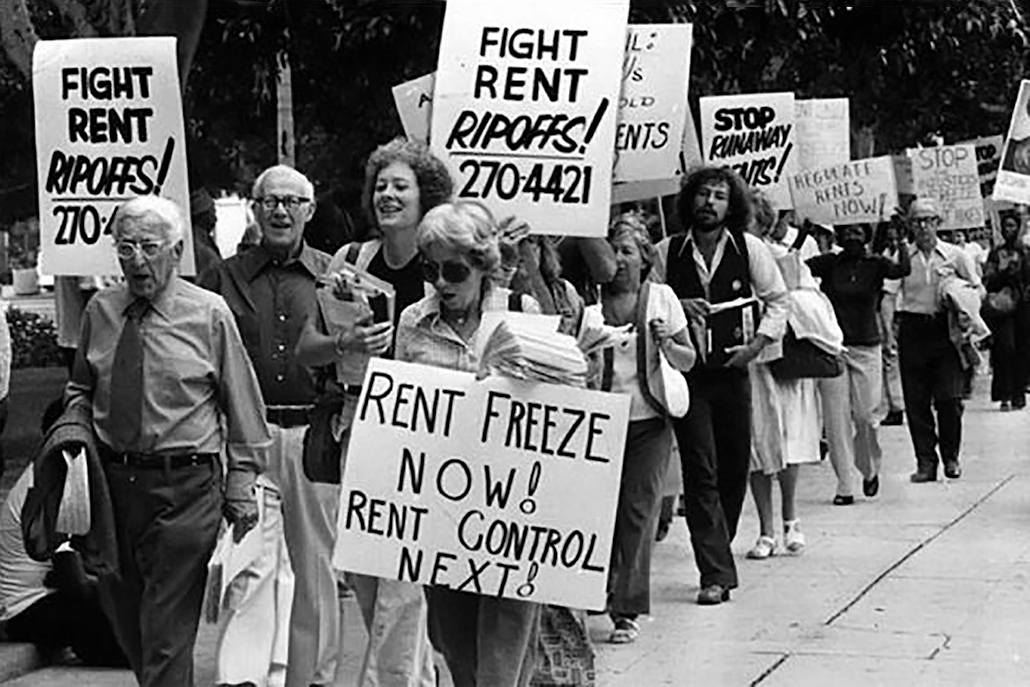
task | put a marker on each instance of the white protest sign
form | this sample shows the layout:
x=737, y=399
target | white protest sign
x=496, y=487
x=1013, y=182
x=653, y=107
x=949, y=174
x=108, y=128
x=903, y=174
x=525, y=105
x=689, y=157
x=849, y=193
x=754, y=134
x=988, y=159
x=823, y=132
x=414, y=101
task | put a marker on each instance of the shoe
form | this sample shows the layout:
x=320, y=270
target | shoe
x=793, y=539
x=839, y=500
x=894, y=418
x=871, y=487
x=713, y=595
x=626, y=631
x=1019, y=404
x=921, y=476
x=763, y=548
x=952, y=470
x=1006, y=406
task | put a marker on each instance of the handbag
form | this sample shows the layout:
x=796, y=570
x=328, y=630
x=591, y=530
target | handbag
x=565, y=655
x=802, y=359
x=321, y=457
x=1001, y=302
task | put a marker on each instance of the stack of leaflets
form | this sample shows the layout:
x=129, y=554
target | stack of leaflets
x=352, y=296
x=529, y=347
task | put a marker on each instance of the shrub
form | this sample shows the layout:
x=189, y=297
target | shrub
x=33, y=340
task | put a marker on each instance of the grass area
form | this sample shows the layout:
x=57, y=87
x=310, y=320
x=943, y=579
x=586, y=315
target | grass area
x=32, y=390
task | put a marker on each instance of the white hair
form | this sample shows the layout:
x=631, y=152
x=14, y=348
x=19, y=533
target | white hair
x=281, y=171
x=156, y=210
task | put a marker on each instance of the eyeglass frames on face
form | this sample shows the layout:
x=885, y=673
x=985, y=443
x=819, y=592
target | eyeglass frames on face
x=127, y=250
x=270, y=203
x=452, y=271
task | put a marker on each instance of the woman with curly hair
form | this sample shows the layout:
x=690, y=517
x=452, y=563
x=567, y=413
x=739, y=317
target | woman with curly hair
x=403, y=181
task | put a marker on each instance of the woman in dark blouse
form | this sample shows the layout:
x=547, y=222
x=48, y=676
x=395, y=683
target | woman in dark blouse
x=1007, y=310
x=852, y=280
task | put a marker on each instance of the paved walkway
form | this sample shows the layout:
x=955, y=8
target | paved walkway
x=925, y=585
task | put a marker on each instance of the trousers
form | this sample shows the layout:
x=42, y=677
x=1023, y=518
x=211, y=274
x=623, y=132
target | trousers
x=849, y=403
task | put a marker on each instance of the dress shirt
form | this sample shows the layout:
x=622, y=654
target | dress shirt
x=271, y=299
x=919, y=290
x=197, y=378
x=423, y=337
x=766, y=281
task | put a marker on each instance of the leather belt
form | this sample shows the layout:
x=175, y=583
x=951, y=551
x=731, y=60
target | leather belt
x=156, y=461
x=288, y=416
x=904, y=315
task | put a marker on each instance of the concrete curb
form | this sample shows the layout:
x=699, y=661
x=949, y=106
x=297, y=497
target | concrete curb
x=17, y=659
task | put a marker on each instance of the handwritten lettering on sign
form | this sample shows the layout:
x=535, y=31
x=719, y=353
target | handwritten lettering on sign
x=754, y=134
x=949, y=174
x=108, y=127
x=849, y=193
x=524, y=108
x=494, y=487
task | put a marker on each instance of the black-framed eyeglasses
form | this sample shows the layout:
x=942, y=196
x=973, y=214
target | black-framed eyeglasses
x=270, y=203
x=452, y=271
x=127, y=250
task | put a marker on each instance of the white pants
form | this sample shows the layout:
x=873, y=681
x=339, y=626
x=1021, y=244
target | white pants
x=309, y=516
x=849, y=404
x=253, y=641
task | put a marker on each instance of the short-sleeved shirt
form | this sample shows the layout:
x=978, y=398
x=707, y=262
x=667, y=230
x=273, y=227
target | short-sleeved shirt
x=21, y=578
x=853, y=285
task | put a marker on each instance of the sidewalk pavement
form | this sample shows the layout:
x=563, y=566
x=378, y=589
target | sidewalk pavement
x=924, y=585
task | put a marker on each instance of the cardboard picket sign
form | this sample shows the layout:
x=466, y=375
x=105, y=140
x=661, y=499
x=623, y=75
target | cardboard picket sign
x=109, y=127
x=525, y=105
x=903, y=175
x=949, y=174
x=754, y=134
x=850, y=193
x=447, y=476
x=1013, y=181
x=414, y=101
x=653, y=108
x=823, y=132
x=689, y=157
x=988, y=159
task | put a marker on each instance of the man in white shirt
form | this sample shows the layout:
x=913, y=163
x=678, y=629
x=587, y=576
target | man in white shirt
x=931, y=370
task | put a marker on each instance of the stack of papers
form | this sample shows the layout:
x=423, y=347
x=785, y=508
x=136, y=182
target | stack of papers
x=529, y=347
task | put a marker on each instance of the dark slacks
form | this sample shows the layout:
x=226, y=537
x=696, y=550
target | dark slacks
x=644, y=464
x=64, y=619
x=487, y=641
x=931, y=380
x=715, y=448
x=167, y=522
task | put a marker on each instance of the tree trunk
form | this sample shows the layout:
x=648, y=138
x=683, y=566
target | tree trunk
x=17, y=35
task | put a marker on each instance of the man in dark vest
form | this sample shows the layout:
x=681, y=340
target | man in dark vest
x=724, y=277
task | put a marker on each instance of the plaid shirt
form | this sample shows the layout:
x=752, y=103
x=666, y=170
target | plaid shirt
x=423, y=337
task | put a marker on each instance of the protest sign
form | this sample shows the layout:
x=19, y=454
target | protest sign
x=497, y=487
x=754, y=134
x=903, y=175
x=653, y=108
x=108, y=128
x=949, y=174
x=849, y=193
x=988, y=159
x=823, y=132
x=1013, y=181
x=525, y=105
x=414, y=101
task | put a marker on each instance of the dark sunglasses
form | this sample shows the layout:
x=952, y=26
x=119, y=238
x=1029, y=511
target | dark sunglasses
x=452, y=271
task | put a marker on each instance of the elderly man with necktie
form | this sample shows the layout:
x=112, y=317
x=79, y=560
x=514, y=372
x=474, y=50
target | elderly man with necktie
x=162, y=370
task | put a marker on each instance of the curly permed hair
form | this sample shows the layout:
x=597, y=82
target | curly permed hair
x=435, y=185
x=740, y=212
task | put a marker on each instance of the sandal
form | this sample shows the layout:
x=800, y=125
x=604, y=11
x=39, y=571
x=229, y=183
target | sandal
x=763, y=548
x=625, y=632
x=793, y=539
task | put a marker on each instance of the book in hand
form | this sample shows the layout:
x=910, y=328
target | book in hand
x=349, y=297
x=529, y=347
x=728, y=324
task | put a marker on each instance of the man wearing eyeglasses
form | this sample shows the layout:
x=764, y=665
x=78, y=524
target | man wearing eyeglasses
x=271, y=291
x=160, y=376
x=931, y=369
